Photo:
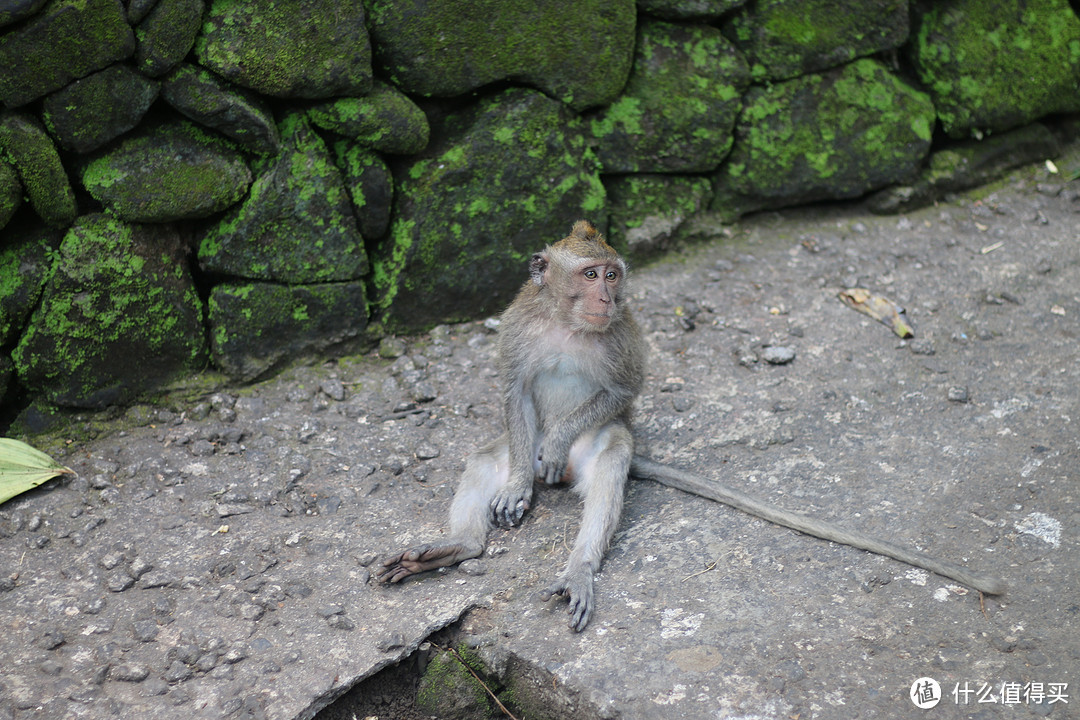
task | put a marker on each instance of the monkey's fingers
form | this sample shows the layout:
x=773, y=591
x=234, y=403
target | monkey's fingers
x=550, y=472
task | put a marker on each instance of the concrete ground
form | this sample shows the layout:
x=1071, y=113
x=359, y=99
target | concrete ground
x=214, y=557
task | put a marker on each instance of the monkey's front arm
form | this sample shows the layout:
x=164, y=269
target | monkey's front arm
x=553, y=453
x=512, y=500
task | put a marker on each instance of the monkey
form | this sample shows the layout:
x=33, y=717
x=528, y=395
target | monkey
x=571, y=360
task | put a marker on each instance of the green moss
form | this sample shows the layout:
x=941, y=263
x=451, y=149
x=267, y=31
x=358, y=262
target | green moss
x=176, y=171
x=624, y=114
x=114, y=320
x=837, y=134
x=577, y=52
x=992, y=65
x=385, y=120
x=287, y=48
x=65, y=40
x=448, y=686
x=298, y=205
x=24, y=142
x=783, y=40
x=645, y=131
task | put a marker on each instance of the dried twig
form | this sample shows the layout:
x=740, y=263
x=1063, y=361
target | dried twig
x=711, y=566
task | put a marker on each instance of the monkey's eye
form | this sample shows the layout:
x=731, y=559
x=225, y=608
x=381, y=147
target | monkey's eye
x=591, y=274
x=612, y=275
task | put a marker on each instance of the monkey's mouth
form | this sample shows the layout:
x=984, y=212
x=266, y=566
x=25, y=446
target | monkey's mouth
x=598, y=318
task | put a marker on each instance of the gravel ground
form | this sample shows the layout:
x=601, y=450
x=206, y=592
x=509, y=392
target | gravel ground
x=213, y=557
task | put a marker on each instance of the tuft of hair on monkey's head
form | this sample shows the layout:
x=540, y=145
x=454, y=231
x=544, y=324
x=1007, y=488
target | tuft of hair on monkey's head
x=586, y=241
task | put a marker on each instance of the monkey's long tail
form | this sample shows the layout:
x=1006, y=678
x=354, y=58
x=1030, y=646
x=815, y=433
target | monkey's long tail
x=688, y=482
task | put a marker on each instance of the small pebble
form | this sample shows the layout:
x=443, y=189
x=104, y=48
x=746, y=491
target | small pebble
x=958, y=394
x=129, y=673
x=144, y=630
x=472, y=567
x=391, y=348
x=424, y=391
x=339, y=622
x=427, y=452
x=178, y=672
x=333, y=388
x=778, y=354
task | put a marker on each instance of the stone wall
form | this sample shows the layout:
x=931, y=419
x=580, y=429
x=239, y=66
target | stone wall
x=189, y=184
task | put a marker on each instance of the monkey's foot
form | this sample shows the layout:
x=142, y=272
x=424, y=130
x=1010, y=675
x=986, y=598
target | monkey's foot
x=578, y=589
x=421, y=559
x=509, y=506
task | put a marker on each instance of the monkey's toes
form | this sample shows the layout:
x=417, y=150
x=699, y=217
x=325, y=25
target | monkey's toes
x=580, y=601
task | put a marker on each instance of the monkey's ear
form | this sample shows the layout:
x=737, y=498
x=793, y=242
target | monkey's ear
x=537, y=267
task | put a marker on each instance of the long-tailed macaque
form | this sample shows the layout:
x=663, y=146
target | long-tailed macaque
x=572, y=361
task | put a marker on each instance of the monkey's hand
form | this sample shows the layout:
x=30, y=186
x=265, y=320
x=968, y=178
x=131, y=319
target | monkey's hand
x=510, y=503
x=578, y=589
x=420, y=559
x=552, y=461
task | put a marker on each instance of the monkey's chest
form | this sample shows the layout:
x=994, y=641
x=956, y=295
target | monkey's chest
x=560, y=386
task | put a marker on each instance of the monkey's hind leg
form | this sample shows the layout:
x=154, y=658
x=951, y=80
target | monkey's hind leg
x=600, y=463
x=486, y=471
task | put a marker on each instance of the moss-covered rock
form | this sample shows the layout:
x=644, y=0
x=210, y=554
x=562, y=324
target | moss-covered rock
x=288, y=48
x=7, y=373
x=967, y=164
x=137, y=10
x=102, y=106
x=28, y=147
x=166, y=35
x=370, y=186
x=783, y=39
x=502, y=179
x=66, y=40
x=296, y=224
x=25, y=262
x=173, y=171
x=385, y=120
x=10, y=191
x=833, y=135
x=118, y=317
x=647, y=210
x=990, y=65
x=448, y=690
x=237, y=114
x=578, y=52
x=688, y=9
x=14, y=11
x=679, y=105
x=255, y=326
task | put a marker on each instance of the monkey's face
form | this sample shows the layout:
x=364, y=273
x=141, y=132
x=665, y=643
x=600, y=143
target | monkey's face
x=594, y=295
